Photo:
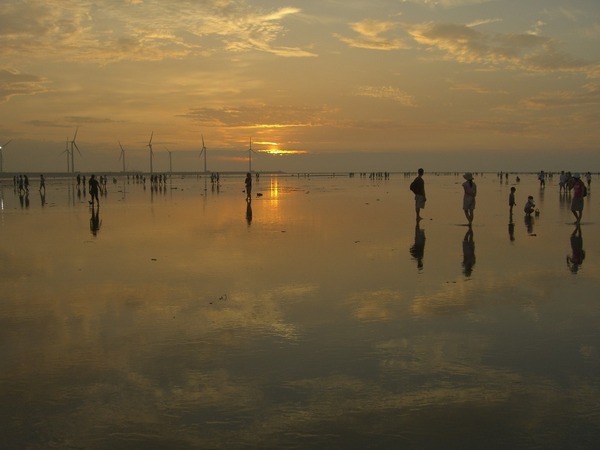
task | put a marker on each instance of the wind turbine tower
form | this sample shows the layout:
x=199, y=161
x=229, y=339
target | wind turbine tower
x=74, y=146
x=151, y=152
x=68, y=155
x=170, y=160
x=250, y=157
x=203, y=152
x=1, y=161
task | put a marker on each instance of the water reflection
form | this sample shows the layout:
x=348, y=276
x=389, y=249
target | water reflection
x=95, y=221
x=417, y=250
x=575, y=259
x=249, y=213
x=529, y=222
x=307, y=339
x=468, y=245
x=511, y=230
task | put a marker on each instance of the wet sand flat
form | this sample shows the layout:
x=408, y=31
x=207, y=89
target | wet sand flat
x=317, y=316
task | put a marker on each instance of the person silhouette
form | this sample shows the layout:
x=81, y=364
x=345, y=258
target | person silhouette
x=418, y=188
x=470, y=189
x=94, y=187
x=248, y=184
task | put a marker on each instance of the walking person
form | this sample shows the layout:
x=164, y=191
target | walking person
x=470, y=189
x=418, y=188
x=93, y=190
x=579, y=191
x=248, y=183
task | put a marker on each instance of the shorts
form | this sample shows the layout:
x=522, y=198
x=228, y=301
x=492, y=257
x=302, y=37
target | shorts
x=419, y=201
x=577, y=204
x=468, y=202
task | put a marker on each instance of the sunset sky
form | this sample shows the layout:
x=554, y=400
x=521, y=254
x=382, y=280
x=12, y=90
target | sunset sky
x=323, y=85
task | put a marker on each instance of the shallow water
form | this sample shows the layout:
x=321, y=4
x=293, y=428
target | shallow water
x=318, y=316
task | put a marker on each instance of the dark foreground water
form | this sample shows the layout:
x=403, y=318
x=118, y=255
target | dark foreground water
x=318, y=316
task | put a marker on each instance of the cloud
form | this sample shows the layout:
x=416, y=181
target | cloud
x=524, y=51
x=369, y=36
x=565, y=99
x=387, y=93
x=259, y=116
x=447, y=4
x=12, y=82
x=109, y=31
x=476, y=88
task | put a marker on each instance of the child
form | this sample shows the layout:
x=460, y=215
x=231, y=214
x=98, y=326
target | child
x=529, y=206
x=511, y=199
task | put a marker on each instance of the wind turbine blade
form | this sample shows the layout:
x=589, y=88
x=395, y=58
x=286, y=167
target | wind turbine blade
x=150, y=142
x=6, y=144
x=76, y=130
x=75, y=144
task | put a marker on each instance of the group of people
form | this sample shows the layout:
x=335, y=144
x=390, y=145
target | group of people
x=21, y=183
x=572, y=182
x=470, y=193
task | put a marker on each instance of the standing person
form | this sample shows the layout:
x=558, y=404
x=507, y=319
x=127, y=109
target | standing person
x=470, y=189
x=93, y=189
x=542, y=178
x=42, y=183
x=418, y=188
x=588, y=179
x=26, y=182
x=579, y=191
x=511, y=199
x=248, y=183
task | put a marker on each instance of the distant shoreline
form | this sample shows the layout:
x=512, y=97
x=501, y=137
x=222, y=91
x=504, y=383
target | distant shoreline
x=48, y=175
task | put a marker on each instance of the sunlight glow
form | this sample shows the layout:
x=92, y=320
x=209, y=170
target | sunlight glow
x=276, y=151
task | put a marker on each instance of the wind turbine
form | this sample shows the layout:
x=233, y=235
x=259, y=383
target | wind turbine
x=151, y=152
x=1, y=147
x=122, y=155
x=203, y=152
x=74, y=145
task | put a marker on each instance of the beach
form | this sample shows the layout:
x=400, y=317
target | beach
x=318, y=315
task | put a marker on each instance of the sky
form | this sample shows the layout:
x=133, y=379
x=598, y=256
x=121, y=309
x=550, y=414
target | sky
x=315, y=85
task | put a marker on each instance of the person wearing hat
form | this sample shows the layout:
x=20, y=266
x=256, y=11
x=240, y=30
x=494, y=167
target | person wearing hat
x=579, y=191
x=470, y=189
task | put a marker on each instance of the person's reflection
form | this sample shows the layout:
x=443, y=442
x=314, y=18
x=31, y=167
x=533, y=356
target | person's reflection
x=95, y=221
x=43, y=197
x=468, y=253
x=417, y=250
x=511, y=230
x=529, y=224
x=249, y=212
x=577, y=252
